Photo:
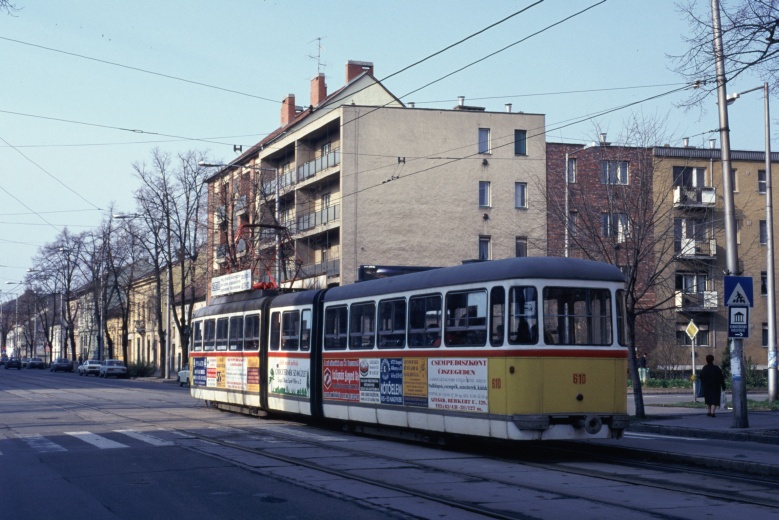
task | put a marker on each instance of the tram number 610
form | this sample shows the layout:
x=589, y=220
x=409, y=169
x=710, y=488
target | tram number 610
x=580, y=379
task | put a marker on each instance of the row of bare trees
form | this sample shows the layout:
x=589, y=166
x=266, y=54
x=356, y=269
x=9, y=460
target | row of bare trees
x=89, y=277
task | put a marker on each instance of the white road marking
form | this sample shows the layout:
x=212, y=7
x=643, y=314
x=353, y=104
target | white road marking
x=41, y=444
x=97, y=440
x=145, y=438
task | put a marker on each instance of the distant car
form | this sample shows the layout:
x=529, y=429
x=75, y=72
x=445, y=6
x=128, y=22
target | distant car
x=183, y=377
x=13, y=362
x=24, y=362
x=90, y=366
x=3, y=359
x=112, y=367
x=63, y=364
x=35, y=362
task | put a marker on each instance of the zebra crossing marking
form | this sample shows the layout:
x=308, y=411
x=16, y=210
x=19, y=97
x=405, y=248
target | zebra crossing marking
x=96, y=440
x=41, y=444
x=154, y=441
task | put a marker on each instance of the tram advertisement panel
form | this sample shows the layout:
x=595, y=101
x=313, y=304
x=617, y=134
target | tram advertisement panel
x=232, y=373
x=199, y=371
x=235, y=374
x=289, y=376
x=458, y=384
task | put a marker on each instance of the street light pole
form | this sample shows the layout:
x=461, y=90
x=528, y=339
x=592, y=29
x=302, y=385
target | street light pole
x=770, y=273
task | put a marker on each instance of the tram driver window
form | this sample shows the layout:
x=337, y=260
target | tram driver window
x=305, y=330
x=424, y=321
x=197, y=336
x=466, y=319
x=362, y=326
x=577, y=316
x=275, y=330
x=523, y=315
x=236, y=334
x=336, y=328
x=209, y=335
x=497, y=320
x=392, y=323
x=290, y=330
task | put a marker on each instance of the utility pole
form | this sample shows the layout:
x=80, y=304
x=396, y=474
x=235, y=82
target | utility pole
x=731, y=250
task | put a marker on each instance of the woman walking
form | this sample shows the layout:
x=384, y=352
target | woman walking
x=712, y=383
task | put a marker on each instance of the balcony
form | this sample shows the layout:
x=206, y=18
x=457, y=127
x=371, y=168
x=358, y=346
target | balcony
x=311, y=168
x=704, y=301
x=330, y=268
x=240, y=204
x=695, y=249
x=694, y=198
x=319, y=218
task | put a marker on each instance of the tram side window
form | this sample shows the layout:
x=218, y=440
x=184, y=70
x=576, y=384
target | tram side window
x=497, y=313
x=236, y=334
x=424, y=321
x=392, y=323
x=221, y=334
x=197, y=336
x=577, y=316
x=305, y=330
x=362, y=326
x=290, y=330
x=336, y=330
x=251, y=332
x=275, y=330
x=523, y=315
x=622, y=329
x=209, y=335
x=466, y=319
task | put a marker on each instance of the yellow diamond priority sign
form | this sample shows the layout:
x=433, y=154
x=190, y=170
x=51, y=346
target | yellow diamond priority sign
x=692, y=329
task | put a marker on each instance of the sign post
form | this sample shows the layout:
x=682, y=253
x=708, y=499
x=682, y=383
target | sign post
x=738, y=299
x=692, y=331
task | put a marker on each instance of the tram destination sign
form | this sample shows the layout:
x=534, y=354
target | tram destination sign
x=231, y=283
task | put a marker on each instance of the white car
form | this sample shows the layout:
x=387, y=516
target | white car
x=112, y=367
x=90, y=366
x=183, y=377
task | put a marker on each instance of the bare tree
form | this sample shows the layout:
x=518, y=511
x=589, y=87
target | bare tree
x=9, y=7
x=750, y=40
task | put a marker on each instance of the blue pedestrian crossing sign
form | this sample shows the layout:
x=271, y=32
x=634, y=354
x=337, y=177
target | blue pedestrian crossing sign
x=738, y=291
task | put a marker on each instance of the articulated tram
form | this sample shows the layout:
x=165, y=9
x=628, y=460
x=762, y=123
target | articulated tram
x=523, y=348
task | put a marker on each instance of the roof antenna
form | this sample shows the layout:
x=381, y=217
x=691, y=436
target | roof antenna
x=318, y=57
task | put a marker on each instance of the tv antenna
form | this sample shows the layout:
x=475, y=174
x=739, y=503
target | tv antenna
x=318, y=57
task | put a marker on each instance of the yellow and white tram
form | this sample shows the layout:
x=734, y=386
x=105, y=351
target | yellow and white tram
x=522, y=348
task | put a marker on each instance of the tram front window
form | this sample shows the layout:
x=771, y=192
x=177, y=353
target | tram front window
x=577, y=316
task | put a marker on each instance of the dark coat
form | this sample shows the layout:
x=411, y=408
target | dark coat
x=712, y=384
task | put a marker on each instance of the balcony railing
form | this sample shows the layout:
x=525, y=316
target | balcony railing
x=692, y=248
x=323, y=162
x=704, y=301
x=685, y=197
x=319, y=218
x=329, y=268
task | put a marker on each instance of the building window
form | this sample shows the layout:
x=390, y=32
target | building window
x=763, y=233
x=614, y=172
x=484, y=194
x=571, y=170
x=521, y=247
x=738, y=231
x=765, y=334
x=734, y=180
x=520, y=195
x=520, y=142
x=764, y=283
x=484, y=140
x=614, y=225
x=573, y=223
x=485, y=252
x=761, y=181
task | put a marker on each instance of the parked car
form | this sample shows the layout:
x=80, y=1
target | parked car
x=24, y=362
x=13, y=362
x=35, y=362
x=3, y=359
x=112, y=367
x=90, y=366
x=183, y=377
x=63, y=364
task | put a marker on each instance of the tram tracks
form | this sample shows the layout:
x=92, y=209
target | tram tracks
x=468, y=480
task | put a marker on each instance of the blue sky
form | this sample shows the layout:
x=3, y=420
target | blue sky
x=86, y=122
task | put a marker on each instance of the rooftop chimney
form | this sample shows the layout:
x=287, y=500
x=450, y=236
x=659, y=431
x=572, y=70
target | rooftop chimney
x=603, y=139
x=508, y=107
x=461, y=100
x=355, y=68
x=318, y=89
x=686, y=142
x=712, y=143
x=288, y=109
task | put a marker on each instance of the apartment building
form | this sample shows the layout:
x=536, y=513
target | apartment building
x=694, y=177
x=360, y=178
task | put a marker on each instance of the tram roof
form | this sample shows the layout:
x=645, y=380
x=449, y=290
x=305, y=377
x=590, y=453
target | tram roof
x=557, y=268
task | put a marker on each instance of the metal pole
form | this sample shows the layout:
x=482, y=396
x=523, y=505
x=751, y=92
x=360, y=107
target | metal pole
x=731, y=250
x=694, y=377
x=770, y=277
x=567, y=217
x=278, y=232
x=168, y=334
